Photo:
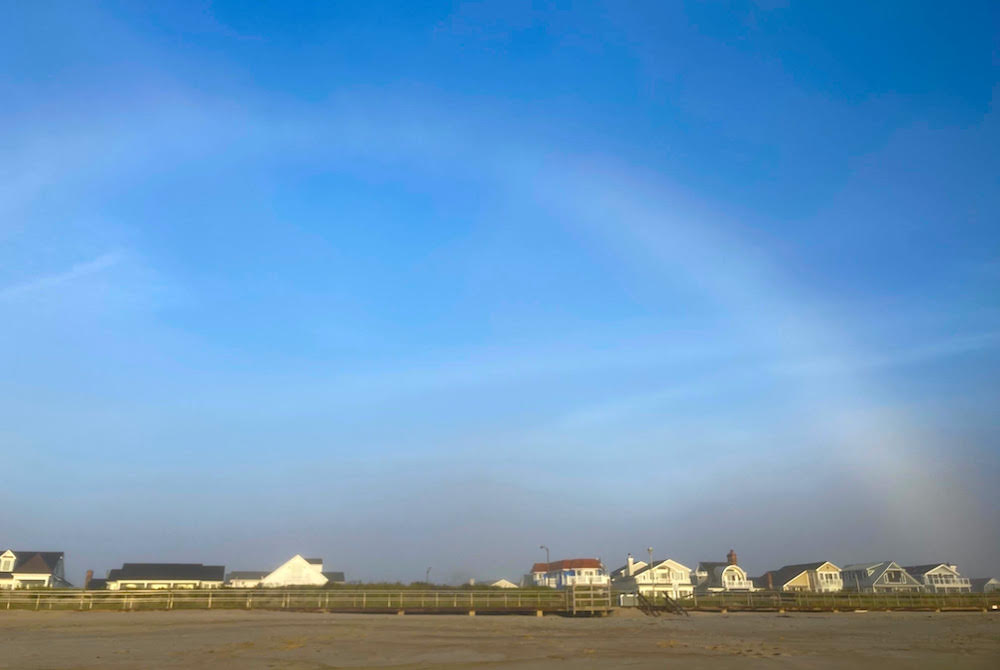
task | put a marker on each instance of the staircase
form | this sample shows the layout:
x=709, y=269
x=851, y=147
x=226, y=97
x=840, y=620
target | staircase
x=651, y=608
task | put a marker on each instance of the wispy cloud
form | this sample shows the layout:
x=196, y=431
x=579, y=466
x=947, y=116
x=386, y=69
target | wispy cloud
x=923, y=353
x=78, y=271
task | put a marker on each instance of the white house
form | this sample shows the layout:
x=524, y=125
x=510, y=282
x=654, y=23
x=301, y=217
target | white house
x=714, y=577
x=940, y=578
x=666, y=577
x=502, y=584
x=165, y=576
x=882, y=577
x=31, y=569
x=245, y=579
x=818, y=577
x=296, y=571
x=569, y=572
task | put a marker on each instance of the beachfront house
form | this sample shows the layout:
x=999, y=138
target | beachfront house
x=296, y=571
x=501, y=583
x=940, y=578
x=165, y=576
x=569, y=572
x=711, y=577
x=667, y=577
x=985, y=584
x=32, y=569
x=817, y=577
x=882, y=577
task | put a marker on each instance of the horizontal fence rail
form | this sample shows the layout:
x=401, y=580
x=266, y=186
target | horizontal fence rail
x=579, y=600
x=836, y=601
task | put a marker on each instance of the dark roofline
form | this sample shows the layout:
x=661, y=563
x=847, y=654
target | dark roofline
x=168, y=572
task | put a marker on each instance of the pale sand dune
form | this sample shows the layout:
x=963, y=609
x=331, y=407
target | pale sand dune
x=248, y=640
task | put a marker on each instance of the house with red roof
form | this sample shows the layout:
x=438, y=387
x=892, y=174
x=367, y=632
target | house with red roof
x=570, y=572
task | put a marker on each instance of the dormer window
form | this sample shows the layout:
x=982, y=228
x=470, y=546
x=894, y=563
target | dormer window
x=6, y=564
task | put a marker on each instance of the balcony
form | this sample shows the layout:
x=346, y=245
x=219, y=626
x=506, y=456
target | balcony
x=737, y=585
x=953, y=583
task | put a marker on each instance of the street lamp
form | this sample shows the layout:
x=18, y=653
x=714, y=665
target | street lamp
x=427, y=576
x=542, y=546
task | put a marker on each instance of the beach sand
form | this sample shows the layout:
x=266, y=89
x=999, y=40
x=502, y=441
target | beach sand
x=627, y=639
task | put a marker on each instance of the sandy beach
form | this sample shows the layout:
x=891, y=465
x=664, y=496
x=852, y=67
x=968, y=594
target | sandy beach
x=233, y=639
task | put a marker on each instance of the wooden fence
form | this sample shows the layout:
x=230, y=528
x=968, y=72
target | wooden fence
x=578, y=600
x=841, y=601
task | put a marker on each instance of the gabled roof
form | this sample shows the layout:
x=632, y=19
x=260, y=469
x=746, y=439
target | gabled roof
x=873, y=571
x=922, y=569
x=314, y=561
x=334, y=576
x=168, y=571
x=787, y=573
x=865, y=566
x=248, y=574
x=623, y=570
x=35, y=562
x=567, y=564
x=657, y=564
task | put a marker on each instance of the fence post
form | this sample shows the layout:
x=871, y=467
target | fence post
x=209, y=600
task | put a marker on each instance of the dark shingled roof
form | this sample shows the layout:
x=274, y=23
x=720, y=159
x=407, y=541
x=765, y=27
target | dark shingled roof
x=314, y=561
x=708, y=566
x=168, y=571
x=334, y=576
x=35, y=562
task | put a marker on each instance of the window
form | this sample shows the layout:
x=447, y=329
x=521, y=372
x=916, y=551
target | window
x=6, y=564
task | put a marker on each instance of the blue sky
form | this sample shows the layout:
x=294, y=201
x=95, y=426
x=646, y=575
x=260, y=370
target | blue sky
x=406, y=286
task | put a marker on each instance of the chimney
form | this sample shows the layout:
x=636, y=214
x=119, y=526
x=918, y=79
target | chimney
x=770, y=581
x=86, y=580
x=631, y=566
x=731, y=557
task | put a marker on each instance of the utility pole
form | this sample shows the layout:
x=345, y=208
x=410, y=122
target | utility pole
x=547, y=562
